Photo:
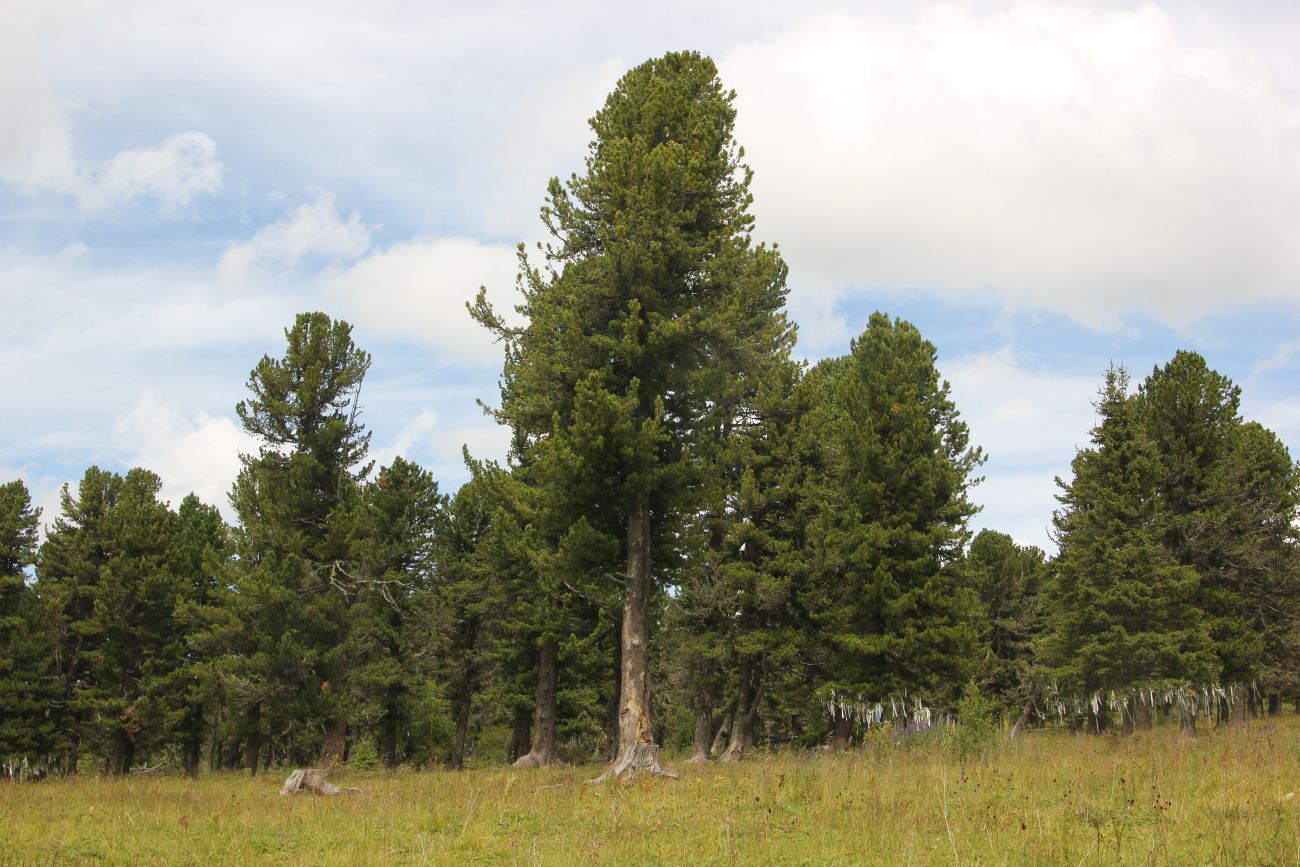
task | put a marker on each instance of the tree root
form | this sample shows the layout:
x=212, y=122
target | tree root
x=633, y=761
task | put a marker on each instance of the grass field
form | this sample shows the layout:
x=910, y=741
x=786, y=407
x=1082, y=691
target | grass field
x=1229, y=797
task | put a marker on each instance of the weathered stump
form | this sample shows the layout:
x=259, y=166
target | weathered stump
x=635, y=761
x=312, y=780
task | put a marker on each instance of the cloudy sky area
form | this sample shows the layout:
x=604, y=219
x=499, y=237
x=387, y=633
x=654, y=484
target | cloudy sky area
x=1042, y=188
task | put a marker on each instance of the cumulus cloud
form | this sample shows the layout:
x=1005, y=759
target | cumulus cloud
x=416, y=291
x=1030, y=420
x=37, y=154
x=313, y=230
x=198, y=454
x=1086, y=162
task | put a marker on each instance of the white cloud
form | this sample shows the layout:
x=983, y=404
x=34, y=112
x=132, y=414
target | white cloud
x=182, y=167
x=1030, y=421
x=417, y=290
x=314, y=230
x=412, y=440
x=1086, y=162
x=198, y=454
x=37, y=153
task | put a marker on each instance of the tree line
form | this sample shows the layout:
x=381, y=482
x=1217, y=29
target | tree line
x=695, y=539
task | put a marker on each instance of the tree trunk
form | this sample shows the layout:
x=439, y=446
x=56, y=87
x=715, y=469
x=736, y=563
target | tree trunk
x=543, y=749
x=637, y=751
x=123, y=755
x=700, y=742
x=1097, y=720
x=841, y=732
x=1274, y=704
x=742, y=724
x=388, y=736
x=1128, y=715
x=720, y=739
x=253, y=745
x=461, y=736
x=334, y=748
x=192, y=749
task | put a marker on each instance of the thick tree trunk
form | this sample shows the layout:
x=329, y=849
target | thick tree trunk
x=192, y=749
x=123, y=754
x=841, y=732
x=333, y=749
x=700, y=742
x=720, y=739
x=543, y=748
x=742, y=724
x=335, y=743
x=1274, y=704
x=388, y=736
x=637, y=751
x=461, y=736
x=253, y=745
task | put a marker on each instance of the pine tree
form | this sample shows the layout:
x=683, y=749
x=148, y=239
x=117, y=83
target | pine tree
x=27, y=680
x=1008, y=579
x=892, y=512
x=653, y=297
x=296, y=501
x=1230, y=492
x=388, y=638
x=1123, y=610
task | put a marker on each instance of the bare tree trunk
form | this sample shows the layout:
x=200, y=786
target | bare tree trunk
x=1274, y=704
x=742, y=724
x=253, y=745
x=461, y=737
x=720, y=739
x=700, y=742
x=192, y=749
x=1023, y=720
x=123, y=755
x=521, y=734
x=334, y=747
x=637, y=751
x=543, y=749
x=841, y=732
x=388, y=734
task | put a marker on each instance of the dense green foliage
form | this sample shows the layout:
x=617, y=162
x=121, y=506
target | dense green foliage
x=695, y=540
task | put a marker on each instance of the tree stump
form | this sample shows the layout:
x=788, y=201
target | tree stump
x=312, y=780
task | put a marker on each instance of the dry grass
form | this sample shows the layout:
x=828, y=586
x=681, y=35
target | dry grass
x=1051, y=799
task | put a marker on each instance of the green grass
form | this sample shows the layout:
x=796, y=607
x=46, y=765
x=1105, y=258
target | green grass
x=1049, y=799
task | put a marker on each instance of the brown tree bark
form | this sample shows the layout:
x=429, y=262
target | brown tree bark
x=461, y=736
x=253, y=744
x=720, y=739
x=637, y=751
x=841, y=733
x=1274, y=704
x=742, y=723
x=334, y=748
x=543, y=748
x=701, y=740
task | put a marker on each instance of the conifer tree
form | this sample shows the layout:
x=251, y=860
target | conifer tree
x=892, y=512
x=392, y=612
x=1009, y=580
x=653, y=296
x=27, y=680
x=296, y=502
x=1124, y=610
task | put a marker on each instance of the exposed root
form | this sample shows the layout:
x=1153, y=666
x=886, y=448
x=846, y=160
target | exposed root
x=634, y=761
x=533, y=760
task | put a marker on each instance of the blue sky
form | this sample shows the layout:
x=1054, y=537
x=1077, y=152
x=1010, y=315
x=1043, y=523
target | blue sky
x=1042, y=188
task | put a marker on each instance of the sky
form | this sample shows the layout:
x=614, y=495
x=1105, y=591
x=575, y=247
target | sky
x=1042, y=188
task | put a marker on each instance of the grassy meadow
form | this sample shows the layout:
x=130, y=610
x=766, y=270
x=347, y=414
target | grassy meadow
x=1228, y=797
